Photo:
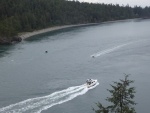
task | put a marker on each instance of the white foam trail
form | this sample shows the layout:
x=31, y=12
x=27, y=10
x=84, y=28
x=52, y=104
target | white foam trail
x=36, y=105
x=108, y=50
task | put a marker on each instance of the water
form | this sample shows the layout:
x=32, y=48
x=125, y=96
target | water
x=36, y=105
x=32, y=81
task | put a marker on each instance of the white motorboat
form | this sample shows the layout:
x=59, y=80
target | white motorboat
x=91, y=83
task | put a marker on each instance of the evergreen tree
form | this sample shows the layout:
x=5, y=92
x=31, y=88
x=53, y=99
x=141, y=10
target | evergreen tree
x=121, y=98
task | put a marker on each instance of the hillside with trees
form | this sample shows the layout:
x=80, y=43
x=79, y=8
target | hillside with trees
x=28, y=15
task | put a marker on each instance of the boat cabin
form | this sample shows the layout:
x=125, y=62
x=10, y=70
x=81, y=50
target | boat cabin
x=89, y=81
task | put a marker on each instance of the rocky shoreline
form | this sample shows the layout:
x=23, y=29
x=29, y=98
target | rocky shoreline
x=9, y=41
x=36, y=32
x=25, y=35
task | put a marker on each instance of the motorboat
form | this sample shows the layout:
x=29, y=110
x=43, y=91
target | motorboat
x=91, y=83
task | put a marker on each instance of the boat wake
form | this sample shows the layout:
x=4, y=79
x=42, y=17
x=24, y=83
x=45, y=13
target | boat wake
x=36, y=105
x=108, y=50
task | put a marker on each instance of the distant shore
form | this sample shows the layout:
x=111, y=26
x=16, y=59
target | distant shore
x=26, y=35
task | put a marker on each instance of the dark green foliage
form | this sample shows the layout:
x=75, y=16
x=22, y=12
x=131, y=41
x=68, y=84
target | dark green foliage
x=102, y=109
x=28, y=15
x=121, y=98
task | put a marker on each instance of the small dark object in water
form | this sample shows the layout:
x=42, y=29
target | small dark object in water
x=93, y=56
x=46, y=51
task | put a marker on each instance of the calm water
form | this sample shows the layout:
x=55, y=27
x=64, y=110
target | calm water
x=32, y=81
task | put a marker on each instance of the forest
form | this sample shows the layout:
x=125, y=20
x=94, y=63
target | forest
x=28, y=15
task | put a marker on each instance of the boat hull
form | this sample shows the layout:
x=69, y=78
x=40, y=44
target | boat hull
x=94, y=82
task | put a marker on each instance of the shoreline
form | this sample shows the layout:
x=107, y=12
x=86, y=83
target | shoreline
x=26, y=35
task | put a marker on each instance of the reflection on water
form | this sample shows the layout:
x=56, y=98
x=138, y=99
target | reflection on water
x=4, y=50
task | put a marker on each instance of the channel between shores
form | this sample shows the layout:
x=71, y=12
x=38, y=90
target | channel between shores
x=26, y=35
